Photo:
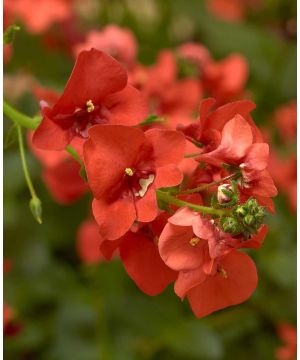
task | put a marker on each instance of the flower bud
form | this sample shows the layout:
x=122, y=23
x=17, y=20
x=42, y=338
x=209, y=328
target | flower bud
x=249, y=219
x=35, y=205
x=230, y=225
x=252, y=206
x=224, y=193
x=241, y=211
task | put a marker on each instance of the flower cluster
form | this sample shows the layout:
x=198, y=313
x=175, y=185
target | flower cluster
x=176, y=198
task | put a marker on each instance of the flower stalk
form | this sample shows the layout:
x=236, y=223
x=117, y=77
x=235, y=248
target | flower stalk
x=19, y=118
x=172, y=200
x=35, y=203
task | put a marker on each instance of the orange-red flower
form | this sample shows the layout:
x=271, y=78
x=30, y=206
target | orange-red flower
x=96, y=93
x=124, y=167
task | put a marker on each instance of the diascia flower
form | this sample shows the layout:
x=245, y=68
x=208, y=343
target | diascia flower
x=207, y=129
x=288, y=335
x=212, y=273
x=118, y=42
x=88, y=242
x=96, y=93
x=237, y=148
x=38, y=15
x=225, y=80
x=124, y=167
x=141, y=259
x=61, y=174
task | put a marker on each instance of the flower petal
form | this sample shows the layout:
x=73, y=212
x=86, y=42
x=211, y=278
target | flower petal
x=94, y=76
x=143, y=264
x=126, y=107
x=107, y=153
x=114, y=218
x=168, y=146
x=218, y=292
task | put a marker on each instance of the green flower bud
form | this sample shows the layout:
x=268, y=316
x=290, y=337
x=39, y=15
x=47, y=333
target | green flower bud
x=252, y=206
x=230, y=225
x=35, y=205
x=241, y=211
x=249, y=219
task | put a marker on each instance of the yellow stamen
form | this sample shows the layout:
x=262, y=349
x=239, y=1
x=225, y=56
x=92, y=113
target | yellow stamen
x=222, y=273
x=90, y=106
x=129, y=171
x=194, y=241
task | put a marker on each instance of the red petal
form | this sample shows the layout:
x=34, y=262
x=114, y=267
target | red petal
x=94, y=76
x=108, y=247
x=218, y=292
x=64, y=181
x=175, y=248
x=183, y=217
x=224, y=113
x=168, y=146
x=264, y=185
x=167, y=176
x=257, y=156
x=126, y=107
x=236, y=138
x=187, y=280
x=146, y=207
x=143, y=264
x=107, y=153
x=50, y=136
x=115, y=218
x=89, y=241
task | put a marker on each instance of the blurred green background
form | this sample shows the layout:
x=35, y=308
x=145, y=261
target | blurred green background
x=69, y=310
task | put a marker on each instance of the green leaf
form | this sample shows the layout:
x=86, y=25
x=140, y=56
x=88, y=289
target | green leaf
x=9, y=34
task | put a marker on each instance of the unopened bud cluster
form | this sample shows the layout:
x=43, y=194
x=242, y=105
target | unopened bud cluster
x=246, y=219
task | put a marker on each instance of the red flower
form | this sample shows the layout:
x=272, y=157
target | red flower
x=38, y=15
x=285, y=118
x=166, y=94
x=229, y=10
x=140, y=257
x=195, y=53
x=225, y=80
x=232, y=283
x=88, y=242
x=124, y=167
x=114, y=41
x=288, y=334
x=237, y=148
x=207, y=130
x=61, y=174
x=96, y=93
x=7, y=316
x=183, y=241
x=212, y=274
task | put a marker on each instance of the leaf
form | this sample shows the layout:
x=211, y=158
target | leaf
x=9, y=34
x=11, y=136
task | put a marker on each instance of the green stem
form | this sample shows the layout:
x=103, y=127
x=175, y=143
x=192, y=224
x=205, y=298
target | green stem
x=24, y=163
x=167, y=198
x=206, y=186
x=19, y=118
x=74, y=154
